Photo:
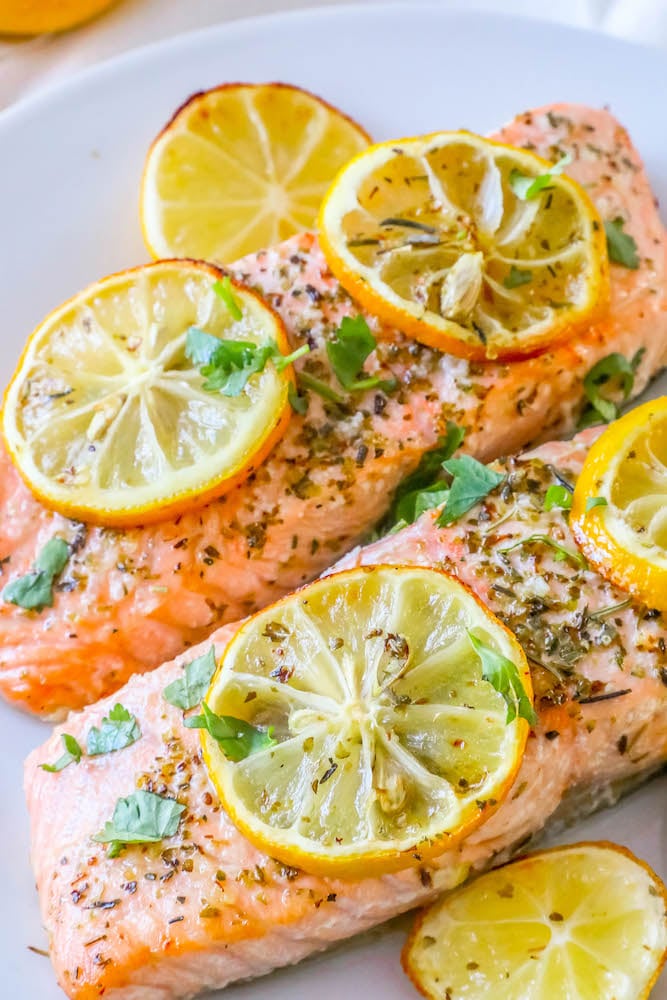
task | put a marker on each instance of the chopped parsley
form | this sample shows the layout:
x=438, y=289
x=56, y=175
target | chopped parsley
x=35, y=589
x=471, y=482
x=117, y=730
x=592, y=502
x=621, y=247
x=615, y=369
x=348, y=351
x=141, y=818
x=72, y=755
x=517, y=277
x=227, y=365
x=499, y=671
x=557, y=496
x=424, y=488
x=237, y=739
x=526, y=188
x=187, y=691
x=298, y=403
x=223, y=289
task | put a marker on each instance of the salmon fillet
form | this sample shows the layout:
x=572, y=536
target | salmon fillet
x=127, y=601
x=205, y=908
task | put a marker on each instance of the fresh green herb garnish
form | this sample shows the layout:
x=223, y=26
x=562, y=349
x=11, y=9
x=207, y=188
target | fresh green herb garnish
x=118, y=729
x=187, y=691
x=72, y=755
x=592, y=502
x=423, y=489
x=223, y=289
x=621, y=247
x=557, y=496
x=35, y=590
x=237, y=739
x=561, y=553
x=141, y=818
x=505, y=678
x=526, y=188
x=471, y=482
x=517, y=277
x=298, y=403
x=351, y=345
x=600, y=408
x=228, y=364
x=322, y=389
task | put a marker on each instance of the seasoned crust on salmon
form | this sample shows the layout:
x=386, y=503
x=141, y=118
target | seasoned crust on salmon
x=204, y=908
x=129, y=600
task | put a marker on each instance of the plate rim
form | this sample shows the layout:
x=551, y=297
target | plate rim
x=35, y=101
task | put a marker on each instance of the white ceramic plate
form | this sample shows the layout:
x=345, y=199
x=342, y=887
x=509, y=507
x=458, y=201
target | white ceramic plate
x=70, y=163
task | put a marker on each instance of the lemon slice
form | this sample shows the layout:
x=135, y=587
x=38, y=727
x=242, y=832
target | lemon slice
x=386, y=744
x=619, y=507
x=242, y=167
x=586, y=922
x=473, y=247
x=108, y=421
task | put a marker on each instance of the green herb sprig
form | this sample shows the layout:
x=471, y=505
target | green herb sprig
x=471, y=482
x=621, y=246
x=34, y=591
x=119, y=729
x=526, y=188
x=424, y=488
x=499, y=671
x=237, y=739
x=227, y=365
x=141, y=818
x=72, y=755
x=616, y=369
x=187, y=691
x=557, y=496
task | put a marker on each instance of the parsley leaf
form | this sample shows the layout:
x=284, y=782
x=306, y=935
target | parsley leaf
x=601, y=409
x=118, y=730
x=141, y=818
x=298, y=403
x=621, y=247
x=237, y=739
x=592, y=502
x=557, y=496
x=351, y=345
x=504, y=676
x=72, y=755
x=561, y=553
x=423, y=489
x=228, y=364
x=517, y=277
x=187, y=691
x=526, y=188
x=35, y=590
x=471, y=482
x=223, y=289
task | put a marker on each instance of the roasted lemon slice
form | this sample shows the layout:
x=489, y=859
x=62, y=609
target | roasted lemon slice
x=619, y=507
x=108, y=416
x=242, y=167
x=586, y=921
x=378, y=741
x=473, y=247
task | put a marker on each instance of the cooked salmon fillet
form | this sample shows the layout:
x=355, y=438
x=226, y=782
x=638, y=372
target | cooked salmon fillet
x=127, y=601
x=204, y=907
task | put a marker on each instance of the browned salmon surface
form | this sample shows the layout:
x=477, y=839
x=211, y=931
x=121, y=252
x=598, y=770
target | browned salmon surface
x=128, y=600
x=204, y=907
